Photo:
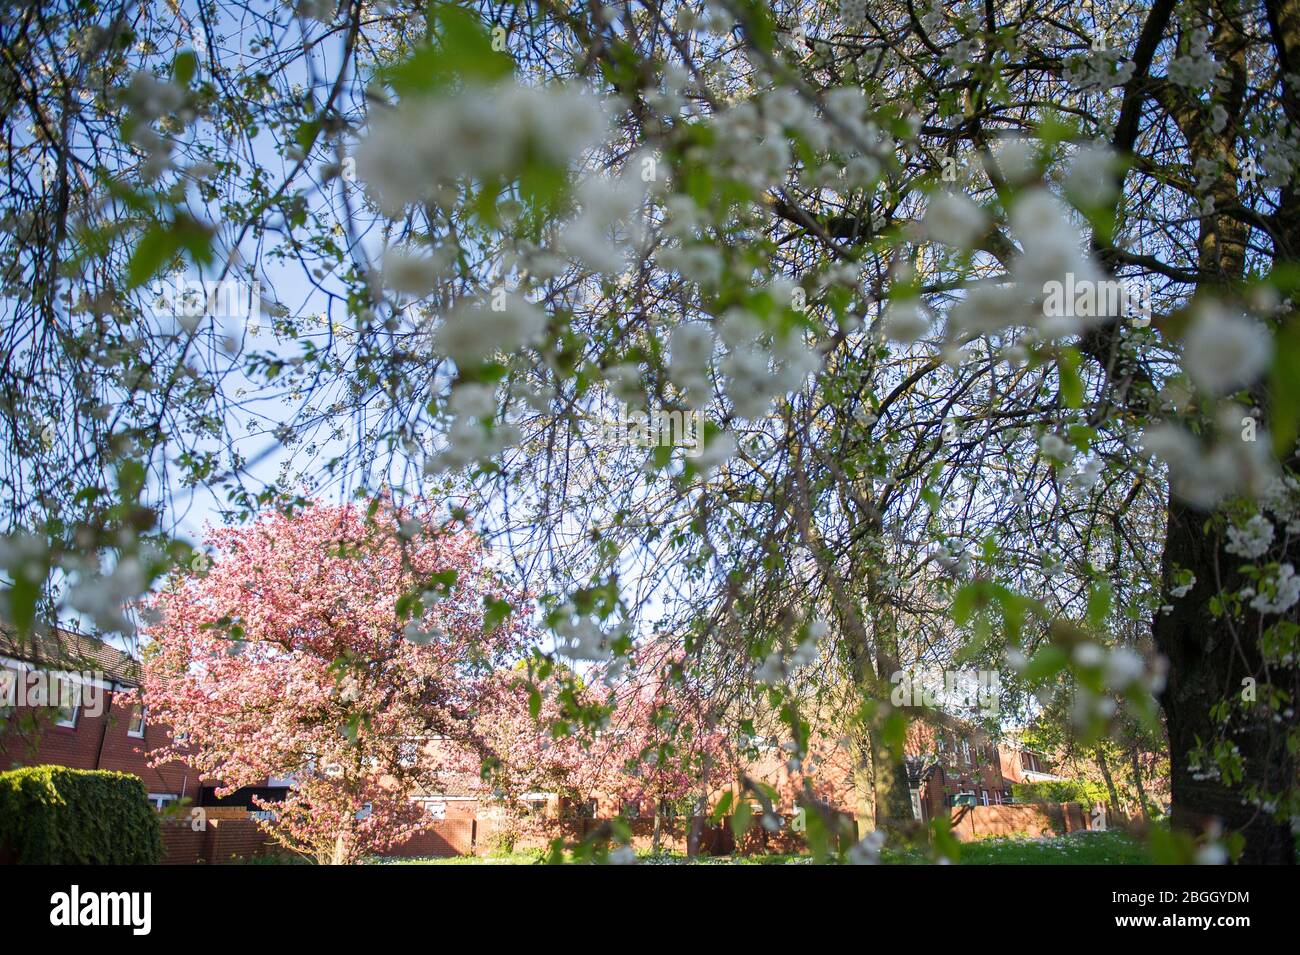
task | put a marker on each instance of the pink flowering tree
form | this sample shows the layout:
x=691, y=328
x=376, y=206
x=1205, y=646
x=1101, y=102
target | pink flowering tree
x=637, y=733
x=330, y=647
x=662, y=746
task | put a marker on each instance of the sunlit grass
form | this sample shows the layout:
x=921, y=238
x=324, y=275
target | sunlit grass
x=1085, y=848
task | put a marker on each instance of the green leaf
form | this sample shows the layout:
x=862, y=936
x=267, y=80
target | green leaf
x=759, y=23
x=1045, y=663
x=1099, y=601
x=130, y=479
x=969, y=597
x=495, y=611
x=1071, y=382
x=23, y=595
x=1081, y=436
x=742, y=819
x=1284, y=389
x=945, y=844
x=461, y=49
x=443, y=581
x=306, y=133
x=722, y=808
x=160, y=244
x=184, y=67
x=154, y=250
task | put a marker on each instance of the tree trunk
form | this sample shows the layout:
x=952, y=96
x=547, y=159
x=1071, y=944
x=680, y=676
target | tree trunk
x=1208, y=657
x=864, y=789
x=340, y=854
x=1136, y=763
x=1111, y=792
x=891, y=794
x=1208, y=662
x=659, y=817
x=697, y=822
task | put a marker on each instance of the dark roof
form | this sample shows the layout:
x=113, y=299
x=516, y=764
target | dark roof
x=63, y=649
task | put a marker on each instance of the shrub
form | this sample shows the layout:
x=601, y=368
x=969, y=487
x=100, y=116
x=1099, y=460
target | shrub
x=1083, y=791
x=51, y=815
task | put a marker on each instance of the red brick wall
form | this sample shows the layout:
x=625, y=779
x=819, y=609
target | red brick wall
x=453, y=836
x=228, y=836
x=96, y=742
x=984, y=822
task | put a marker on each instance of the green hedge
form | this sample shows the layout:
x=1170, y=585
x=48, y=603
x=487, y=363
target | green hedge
x=1083, y=791
x=52, y=815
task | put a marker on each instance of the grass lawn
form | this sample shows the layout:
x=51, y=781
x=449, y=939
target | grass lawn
x=1085, y=848
x=514, y=858
x=1082, y=848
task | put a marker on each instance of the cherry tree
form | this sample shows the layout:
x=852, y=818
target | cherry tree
x=330, y=647
x=840, y=235
x=639, y=736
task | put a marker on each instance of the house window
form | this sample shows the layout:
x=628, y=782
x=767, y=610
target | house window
x=136, y=726
x=8, y=690
x=161, y=801
x=984, y=794
x=965, y=751
x=435, y=807
x=66, y=703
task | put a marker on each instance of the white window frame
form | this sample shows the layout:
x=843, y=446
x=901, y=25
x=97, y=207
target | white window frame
x=8, y=689
x=144, y=718
x=56, y=686
x=435, y=807
x=68, y=722
x=161, y=801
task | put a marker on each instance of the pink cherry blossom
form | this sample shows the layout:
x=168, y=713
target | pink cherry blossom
x=289, y=658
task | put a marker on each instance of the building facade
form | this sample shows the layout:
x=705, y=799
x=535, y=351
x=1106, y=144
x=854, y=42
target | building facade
x=68, y=699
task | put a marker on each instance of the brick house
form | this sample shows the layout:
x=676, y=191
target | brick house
x=952, y=762
x=1023, y=765
x=98, y=728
